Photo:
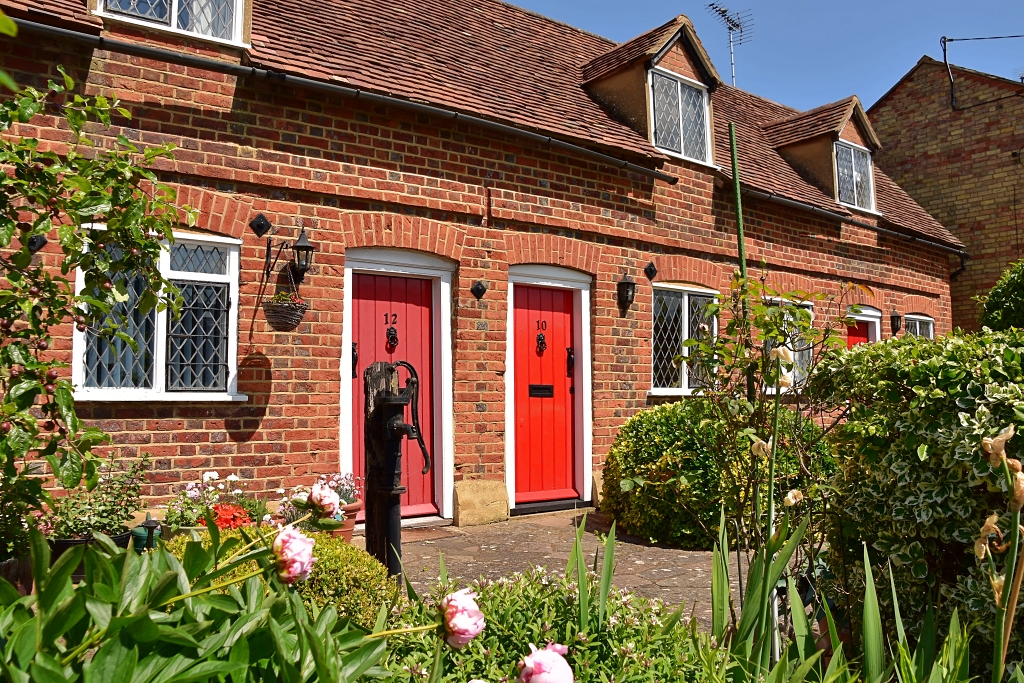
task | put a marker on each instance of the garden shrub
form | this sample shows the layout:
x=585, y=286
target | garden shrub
x=343, y=575
x=913, y=481
x=685, y=438
x=1003, y=306
x=537, y=607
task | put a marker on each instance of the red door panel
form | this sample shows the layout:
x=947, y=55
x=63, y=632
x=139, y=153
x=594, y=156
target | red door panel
x=857, y=334
x=382, y=302
x=544, y=405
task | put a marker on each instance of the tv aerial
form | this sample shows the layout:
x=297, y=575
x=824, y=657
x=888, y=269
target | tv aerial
x=740, y=26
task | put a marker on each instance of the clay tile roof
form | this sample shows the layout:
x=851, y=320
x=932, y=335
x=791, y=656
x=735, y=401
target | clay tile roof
x=648, y=45
x=644, y=45
x=763, y=168
x=478, y=56
x=826, y=119
x=72, y=14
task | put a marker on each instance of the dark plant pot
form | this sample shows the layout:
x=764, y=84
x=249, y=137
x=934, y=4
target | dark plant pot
x=348, y=524
x=59, y=546
x=17, y=571
x=284, y=316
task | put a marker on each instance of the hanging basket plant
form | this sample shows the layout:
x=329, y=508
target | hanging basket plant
x=285, y=311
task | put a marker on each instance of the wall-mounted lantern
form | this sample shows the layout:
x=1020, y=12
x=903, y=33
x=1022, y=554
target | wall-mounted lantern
x=895, y=321
x=625, y=292
x=302, y=256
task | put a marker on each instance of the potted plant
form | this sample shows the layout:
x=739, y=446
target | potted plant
x=293, y=506
x=15, y=521
x=285, y=311
x=73, y=518
x=227, y=499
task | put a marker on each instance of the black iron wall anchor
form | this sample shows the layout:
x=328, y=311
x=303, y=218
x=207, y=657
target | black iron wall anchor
x=385, y=429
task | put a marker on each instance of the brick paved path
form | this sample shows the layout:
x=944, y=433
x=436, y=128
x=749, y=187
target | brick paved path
x=494, y=550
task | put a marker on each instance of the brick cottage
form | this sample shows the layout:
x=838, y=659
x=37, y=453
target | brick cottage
x=477, y=180
x=954, y=139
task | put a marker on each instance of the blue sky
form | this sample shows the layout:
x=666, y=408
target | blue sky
x=809, y=52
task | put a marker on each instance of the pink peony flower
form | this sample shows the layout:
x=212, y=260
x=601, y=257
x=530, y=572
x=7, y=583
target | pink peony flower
x=545, y=666
x=462, y=618
x=294, y=554
x=325, y=500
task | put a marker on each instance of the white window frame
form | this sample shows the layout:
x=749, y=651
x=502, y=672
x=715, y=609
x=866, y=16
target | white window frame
x=871, y=175
x=686, y=290
x=870, y=315
x=921, y=318
x=707, y=115
x=158, y=392
x=237, y=30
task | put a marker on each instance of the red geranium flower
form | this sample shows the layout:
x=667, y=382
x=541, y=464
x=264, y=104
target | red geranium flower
x=229, y=516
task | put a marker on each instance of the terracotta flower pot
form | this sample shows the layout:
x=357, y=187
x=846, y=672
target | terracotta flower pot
x=348, y=525
x=59, y=546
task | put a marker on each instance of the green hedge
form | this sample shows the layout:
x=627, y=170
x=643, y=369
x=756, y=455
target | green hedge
x=914, y=483
x=1003, y=307
x=682, y=439
x=343, y=575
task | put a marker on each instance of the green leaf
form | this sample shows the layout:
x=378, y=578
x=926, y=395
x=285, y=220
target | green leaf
x=113, y=662
x=720, y=590
x=607, y=569
x=874, y=646
x=922, y=452
x=59, y=579
x=8, y=27
x=196, y=560
x=626, y=485
x=70, y=472
x=46, y=669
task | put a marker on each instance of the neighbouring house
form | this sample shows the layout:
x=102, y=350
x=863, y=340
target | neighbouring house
x=477, y=180
x=953, y=139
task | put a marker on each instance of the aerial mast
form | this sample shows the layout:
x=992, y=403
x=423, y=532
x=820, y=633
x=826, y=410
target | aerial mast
x=740, y=26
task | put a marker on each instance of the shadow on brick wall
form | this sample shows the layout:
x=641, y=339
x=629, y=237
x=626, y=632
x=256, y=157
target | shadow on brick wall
x=255, y=379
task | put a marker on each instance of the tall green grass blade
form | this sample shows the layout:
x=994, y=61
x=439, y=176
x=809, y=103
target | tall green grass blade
x=833, y=633
x=924, y=654
x=606, y=575
x=874, y=646
x=442, y=570
x=753, y=603
x=801, y=627
x=581, y=578
x=896, y=607
x=720, y=594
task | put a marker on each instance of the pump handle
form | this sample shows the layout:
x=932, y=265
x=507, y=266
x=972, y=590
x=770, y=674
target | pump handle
x=416, y=412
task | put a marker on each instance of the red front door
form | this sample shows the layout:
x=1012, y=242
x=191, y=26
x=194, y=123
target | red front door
x=857, y=334
x=393, y=319
x=544, y=405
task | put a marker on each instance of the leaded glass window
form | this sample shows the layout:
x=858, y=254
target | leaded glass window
x=194, y=351
x=853, y=176
x=211, y=18
x=111, y=362
x=680, y=116
x=679, y=315
x=920, y=327
x=197, y=341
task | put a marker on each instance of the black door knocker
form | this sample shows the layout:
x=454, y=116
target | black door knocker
x=542, y=343
x=392, y=338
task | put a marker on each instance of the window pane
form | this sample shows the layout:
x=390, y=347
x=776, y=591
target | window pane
x=844, y=168
x=111, y=363
x=155, y=10
x=920, y=328
x=666, y=113
x=701, y=328
x=198, y=258
x=668, y=339
x=209, y=17
x=862, y=178
x=695, y=135
x=197, y=342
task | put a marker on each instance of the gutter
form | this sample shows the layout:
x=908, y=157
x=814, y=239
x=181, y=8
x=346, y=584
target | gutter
x=172, y=57
x=861, y=224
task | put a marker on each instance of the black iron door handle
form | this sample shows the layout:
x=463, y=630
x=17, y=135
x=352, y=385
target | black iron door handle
x=355, y=359
x=570, y=361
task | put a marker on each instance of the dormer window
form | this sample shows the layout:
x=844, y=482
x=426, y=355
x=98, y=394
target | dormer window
x=854, y=183
x=680, y=116
x=217, y=19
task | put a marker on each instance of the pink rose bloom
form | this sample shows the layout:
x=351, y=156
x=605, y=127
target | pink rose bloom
x=462, y=618
x=545, y=666
x=294, y=553
x=325, y=500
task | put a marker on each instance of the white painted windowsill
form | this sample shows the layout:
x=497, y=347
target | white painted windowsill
x=128, y=396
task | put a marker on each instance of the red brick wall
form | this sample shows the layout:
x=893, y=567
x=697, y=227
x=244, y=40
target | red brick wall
x=360, y=175
x=958, y=166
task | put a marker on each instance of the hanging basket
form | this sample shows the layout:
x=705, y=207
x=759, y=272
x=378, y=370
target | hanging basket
x=284, y=316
